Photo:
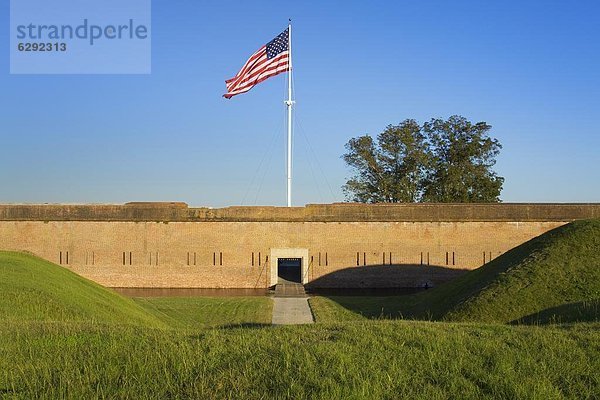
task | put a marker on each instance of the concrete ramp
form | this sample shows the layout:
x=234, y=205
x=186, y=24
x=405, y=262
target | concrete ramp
x=290, y=289
x=291, y=305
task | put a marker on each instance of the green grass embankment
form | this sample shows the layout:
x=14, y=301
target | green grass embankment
x=33, y=289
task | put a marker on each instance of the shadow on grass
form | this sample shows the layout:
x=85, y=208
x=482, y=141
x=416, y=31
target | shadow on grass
x=381, y=291
x=201, y=334
x=244, y=325
x=375, y=307
x=583, y=311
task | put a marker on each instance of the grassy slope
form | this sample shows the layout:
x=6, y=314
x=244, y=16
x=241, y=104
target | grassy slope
x=38, y=290
x=559, y=267
x=204, y=312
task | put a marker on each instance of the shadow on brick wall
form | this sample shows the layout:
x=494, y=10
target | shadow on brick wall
x=383, y=277
x=380, y=291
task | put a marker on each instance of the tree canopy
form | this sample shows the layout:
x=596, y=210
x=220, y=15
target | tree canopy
x=439, y=161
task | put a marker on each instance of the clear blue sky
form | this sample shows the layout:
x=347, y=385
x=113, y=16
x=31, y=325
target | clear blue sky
x=531, y=69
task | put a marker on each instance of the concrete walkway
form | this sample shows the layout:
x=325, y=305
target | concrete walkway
x=291, y=305
x=291, y=311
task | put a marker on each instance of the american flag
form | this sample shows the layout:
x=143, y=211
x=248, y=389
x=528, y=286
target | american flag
x=270, y=60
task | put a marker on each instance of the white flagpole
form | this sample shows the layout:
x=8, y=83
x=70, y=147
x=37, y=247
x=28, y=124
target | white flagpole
x=289, y=103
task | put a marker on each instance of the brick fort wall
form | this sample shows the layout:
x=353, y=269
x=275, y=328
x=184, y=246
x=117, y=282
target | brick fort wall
x=171, y=245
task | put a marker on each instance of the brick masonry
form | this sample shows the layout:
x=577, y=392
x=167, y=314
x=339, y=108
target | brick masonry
x=171, y=245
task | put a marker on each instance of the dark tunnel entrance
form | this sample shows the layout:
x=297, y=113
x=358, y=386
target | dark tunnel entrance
x=289, y=270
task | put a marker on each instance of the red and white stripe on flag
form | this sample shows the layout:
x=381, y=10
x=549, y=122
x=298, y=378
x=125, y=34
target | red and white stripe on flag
x=270, y=60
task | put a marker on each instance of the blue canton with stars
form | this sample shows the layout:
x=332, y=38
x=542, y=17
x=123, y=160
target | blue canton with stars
x=278, y=45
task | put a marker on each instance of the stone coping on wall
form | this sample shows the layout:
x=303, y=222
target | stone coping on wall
x=337, y=212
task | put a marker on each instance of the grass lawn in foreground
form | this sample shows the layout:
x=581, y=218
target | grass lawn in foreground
x=364, y=359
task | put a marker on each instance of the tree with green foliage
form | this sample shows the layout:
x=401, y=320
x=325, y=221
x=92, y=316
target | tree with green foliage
x=463, y=155
x=441, y=161
x=391, y=171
